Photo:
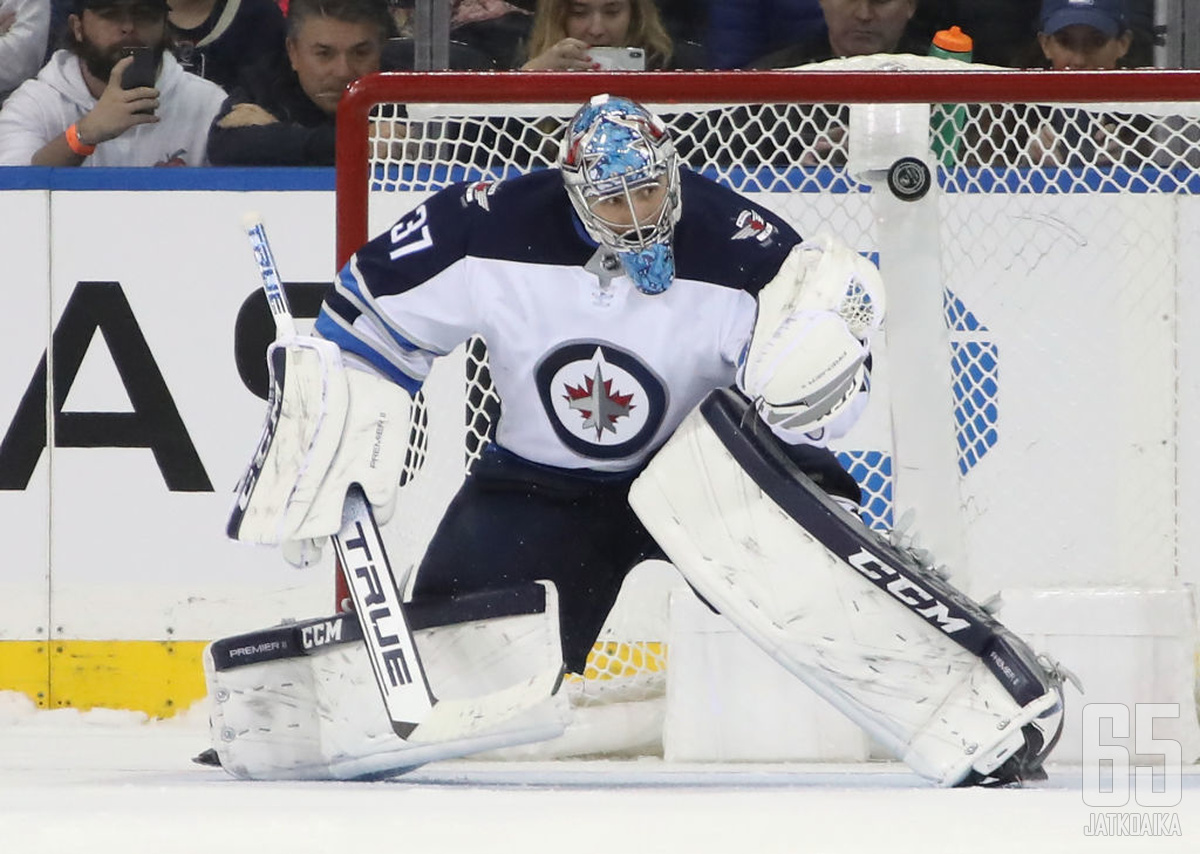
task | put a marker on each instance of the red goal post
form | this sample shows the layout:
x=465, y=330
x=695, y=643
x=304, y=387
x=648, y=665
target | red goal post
x=1037, y=392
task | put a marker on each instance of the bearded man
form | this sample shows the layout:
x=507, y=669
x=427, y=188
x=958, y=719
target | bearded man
x=83, y=109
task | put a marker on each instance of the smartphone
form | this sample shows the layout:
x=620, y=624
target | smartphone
x=619, y=58
x=143, y=71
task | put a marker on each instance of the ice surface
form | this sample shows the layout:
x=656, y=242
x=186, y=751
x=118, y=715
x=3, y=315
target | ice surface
x=106, y=782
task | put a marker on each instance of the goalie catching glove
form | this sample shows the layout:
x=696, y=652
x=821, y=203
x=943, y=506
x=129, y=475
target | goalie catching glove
x=328, y=426
x=806, y=360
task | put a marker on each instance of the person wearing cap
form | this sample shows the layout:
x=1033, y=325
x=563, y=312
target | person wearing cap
x=1084, y=34
x=76, y=112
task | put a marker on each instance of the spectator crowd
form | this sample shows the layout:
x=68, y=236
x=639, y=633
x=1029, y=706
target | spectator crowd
x=257, y=82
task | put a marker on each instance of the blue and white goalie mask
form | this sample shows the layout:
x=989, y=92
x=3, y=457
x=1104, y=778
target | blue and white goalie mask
x=622, y=176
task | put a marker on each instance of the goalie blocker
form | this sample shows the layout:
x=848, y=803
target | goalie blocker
x=918, y=665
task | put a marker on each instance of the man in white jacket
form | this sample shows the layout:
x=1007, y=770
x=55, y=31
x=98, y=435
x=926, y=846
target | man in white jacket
x=77, y=113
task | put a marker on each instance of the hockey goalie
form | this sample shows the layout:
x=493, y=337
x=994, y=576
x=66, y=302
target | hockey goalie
x=672, y=359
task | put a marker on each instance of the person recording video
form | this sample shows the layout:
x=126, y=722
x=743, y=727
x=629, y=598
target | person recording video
x=112, y=97
x=567, y=33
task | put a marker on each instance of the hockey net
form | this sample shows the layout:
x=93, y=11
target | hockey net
x=1030, y=396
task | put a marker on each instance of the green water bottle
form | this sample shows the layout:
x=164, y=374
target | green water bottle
x=949, y=120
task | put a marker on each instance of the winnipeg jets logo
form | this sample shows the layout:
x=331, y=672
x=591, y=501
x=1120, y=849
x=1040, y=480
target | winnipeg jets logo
x=602, y=401
x=751, y=224
x=598, y=404
x=479, y=193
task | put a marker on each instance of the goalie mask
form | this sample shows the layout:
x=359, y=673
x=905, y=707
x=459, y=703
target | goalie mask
x=622, y=177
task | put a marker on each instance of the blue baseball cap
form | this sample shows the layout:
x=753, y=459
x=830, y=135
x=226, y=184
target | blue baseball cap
x=1107, y=16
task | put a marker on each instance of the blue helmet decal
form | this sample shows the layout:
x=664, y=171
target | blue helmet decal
x=618, y=154
x=652, y=269
x=610, y=147
x=608, y=141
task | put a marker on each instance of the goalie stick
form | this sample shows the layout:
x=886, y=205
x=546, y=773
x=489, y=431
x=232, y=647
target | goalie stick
x=361, y=556
x=531, y=709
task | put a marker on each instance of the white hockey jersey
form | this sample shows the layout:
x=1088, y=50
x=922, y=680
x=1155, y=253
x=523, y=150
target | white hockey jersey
x=592, y=373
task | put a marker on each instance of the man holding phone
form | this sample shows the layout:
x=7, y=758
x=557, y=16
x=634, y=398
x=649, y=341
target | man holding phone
x=113, y=97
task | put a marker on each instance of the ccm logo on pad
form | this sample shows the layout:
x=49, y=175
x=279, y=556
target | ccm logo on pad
x=918, y=600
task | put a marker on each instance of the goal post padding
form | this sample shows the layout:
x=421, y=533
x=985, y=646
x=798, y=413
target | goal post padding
x=1035, y=391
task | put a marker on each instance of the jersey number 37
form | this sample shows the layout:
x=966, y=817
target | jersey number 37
x=410, y=234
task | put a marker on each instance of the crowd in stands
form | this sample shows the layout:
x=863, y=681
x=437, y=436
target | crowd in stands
x=256, y=82
x=283, y=113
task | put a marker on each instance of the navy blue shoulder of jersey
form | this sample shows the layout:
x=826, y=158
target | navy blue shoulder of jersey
x=527, y=218
x=726, y=239
x=722, y=237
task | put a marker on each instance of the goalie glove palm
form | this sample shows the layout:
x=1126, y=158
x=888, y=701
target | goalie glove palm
x=806, y=359
x=806, y=373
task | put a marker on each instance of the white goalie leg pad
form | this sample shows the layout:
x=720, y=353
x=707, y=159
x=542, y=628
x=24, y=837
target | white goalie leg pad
x=327, y=427
x=919, y=666
x=299, y=701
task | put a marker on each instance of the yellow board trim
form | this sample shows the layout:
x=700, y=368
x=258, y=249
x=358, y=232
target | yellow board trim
x=25, y=667
x=159, y=678
x=162, y=678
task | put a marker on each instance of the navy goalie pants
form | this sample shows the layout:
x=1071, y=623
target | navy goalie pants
x=513, y=521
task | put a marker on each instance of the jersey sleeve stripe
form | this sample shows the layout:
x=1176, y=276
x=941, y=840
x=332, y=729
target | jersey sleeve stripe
x=354, y=305
x=349, y=286
x=334, y=328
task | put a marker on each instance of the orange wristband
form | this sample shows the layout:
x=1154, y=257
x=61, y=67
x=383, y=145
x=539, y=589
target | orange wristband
x=78, y=146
